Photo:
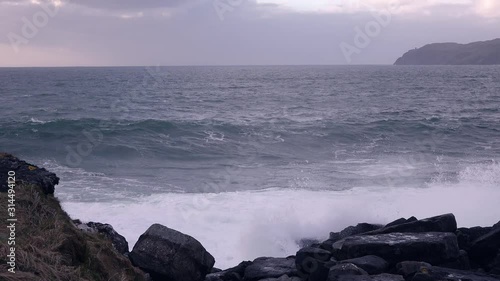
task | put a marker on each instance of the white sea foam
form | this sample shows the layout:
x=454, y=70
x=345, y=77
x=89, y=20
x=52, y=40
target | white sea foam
x=239, y=226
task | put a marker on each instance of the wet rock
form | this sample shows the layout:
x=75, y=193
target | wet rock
x=409, y=268
x=282, y=278
x=371, y=264
x=354, y=230
x=26, y=173
x=170, y=255
x=401, y=221
x=443, y=223
x=379, y=277
x=447, y=274
x=118, y=241
x=344, y=269
x=263, y=268
x=303, y=243
x=307, y=260
x=232, y=274
x=485, y=248
x=432, y=247
x=466, y=236
x=320, y=273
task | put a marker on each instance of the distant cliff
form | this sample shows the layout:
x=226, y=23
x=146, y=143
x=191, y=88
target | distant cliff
x=477, y=53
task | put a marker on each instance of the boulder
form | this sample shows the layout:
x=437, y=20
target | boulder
x=263, y=268
x=466, y=236
x=447, y=274
x=379, y=277
x=432, y=247
x=282, y=278
x=118, y=241
x=320, y=273
x=232, y=274
x=408, y=269
x=307, y=259
x=344, y=269
x=401, y=221
x=354, y=230
x=494, y=267
x=26, y=173
x=371, y=264
x=485, y=248
x=443, y=223
x=171, y=255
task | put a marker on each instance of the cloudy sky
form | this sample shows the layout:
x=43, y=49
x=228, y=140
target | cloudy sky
x=234, y=32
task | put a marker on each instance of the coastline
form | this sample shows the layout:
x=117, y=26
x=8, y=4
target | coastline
x=406, y=249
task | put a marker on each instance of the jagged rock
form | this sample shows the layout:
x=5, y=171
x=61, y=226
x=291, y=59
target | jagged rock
x=303, y=243
x=26, y=173
x=432, y=247
x=379, y=277
x=262, y=268
x=466, y=236
x=118, y=241
x=494, y=267
x=485, y=248
x=320, y=273
x=371, y=264
x=232, y=274
x=409, y=268
x=443, y=223
x=282, y=278
x=344, y=269
x=354, y=230
x=401, y=221
x=307, y=260
x=447, y=274
x=170, y=255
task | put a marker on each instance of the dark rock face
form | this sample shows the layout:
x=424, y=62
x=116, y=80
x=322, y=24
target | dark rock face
x=263, y=268
x=476, y=53
x=433, y=247
x=232, y=274
x=443, y=223
x=309, y=260
x=118, y=241
x=447, y=274
x=282, y=278
x=345, y=269
x=409, y=268
x=26, y=173
x=170, y=255
x=354, y=230
x=466, y=236
x=485, y=248
x=371, y=264
x=401, y=221
x=379, y=277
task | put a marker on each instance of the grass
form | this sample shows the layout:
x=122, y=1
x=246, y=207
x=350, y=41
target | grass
x=50, y=247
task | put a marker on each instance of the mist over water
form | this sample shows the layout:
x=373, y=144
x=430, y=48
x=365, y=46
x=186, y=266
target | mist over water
x=249, y=160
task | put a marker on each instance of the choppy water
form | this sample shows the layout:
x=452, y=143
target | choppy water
x=250, y=159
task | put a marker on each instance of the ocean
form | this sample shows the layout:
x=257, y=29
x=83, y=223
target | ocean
x=249, y=160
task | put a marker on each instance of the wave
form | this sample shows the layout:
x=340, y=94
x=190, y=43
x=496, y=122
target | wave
x=237, y=226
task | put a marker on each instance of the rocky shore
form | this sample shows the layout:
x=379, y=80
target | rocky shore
x=406, y=249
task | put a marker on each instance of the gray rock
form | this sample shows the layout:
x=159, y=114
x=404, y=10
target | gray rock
x=443, y=223
x=170, y=255
x=410, y=268
x=354, y=230
x=447, y=274
x=485, y=248
x=307, y=260
x=466, y=236
x=26, y=173
x=432, y=247
x=371, y=264
x=263, y=268
x=379, y=277
x=344, y=269
x=118, y=241
x=282, y=278
x=232, y=274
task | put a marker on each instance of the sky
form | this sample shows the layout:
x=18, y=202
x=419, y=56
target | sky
x=234, y=32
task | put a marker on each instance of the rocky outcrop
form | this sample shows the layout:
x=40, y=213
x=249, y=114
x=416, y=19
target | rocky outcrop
x=118, y=241
x=263, y=268
x=170, y=255
x=26, y=173
x=476, y=53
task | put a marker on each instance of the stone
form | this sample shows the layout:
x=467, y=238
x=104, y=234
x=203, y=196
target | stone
x=265, y=267
x=410, y=268
x=26, y=173
x=307, y=259
x=448, y=274
x=443, y=223
x=354, y=230
x=371, y=264
x=118, y=241
x=379, y=277
x=466, y=236
x=401, y=221
x=485, y=248
x=432, y=247
x=167, y=254
x=344, y=269
x=232, y=274
x=282, y=278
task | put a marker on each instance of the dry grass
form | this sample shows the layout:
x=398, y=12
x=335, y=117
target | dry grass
x=49, y=247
